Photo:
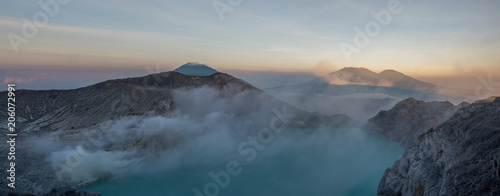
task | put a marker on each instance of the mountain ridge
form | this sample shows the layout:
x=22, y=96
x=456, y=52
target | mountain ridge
x=386, y=78
x=112, y=99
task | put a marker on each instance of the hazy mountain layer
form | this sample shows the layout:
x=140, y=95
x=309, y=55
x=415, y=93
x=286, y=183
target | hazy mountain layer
x=351, y=81
x=387, y=78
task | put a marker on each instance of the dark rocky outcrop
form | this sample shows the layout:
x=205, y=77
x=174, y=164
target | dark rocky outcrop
x=459, y=157
x=410, y=118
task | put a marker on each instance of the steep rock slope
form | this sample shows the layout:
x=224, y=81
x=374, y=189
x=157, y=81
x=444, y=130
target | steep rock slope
x=410, y=118
x=459, y=157
x=49, y=110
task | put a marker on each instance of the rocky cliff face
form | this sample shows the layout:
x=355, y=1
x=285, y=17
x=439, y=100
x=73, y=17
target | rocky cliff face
x=459, y=157
x=411, y=118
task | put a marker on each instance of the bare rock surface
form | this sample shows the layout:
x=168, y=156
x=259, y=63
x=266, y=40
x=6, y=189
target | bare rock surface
x=461, y=156
x=410, y=118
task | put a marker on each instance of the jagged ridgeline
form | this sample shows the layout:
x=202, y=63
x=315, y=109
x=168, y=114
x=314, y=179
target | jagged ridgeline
x=410, y=118
x=450, y=150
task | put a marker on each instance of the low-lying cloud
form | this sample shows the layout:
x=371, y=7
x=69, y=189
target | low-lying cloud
x=205, y=133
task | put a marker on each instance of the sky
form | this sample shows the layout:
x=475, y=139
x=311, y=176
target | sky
x=83, y=42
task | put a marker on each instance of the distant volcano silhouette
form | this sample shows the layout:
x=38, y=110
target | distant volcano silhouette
x=195, y=69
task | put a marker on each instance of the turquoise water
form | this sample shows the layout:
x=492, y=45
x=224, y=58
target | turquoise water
x=341, y=162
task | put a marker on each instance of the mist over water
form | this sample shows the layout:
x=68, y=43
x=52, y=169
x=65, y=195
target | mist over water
x=176, y=154
x=360, y=106
x=327, y=162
